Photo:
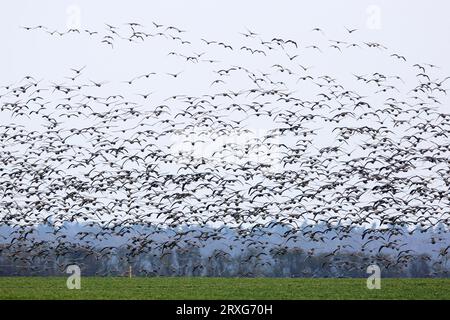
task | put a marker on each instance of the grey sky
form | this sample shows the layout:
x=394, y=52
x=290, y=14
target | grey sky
x=416, y=28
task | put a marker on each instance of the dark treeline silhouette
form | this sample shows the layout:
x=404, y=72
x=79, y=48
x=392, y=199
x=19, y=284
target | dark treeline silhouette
x=297, y=260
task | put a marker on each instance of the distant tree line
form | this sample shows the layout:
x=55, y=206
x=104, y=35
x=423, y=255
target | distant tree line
x=250, y=263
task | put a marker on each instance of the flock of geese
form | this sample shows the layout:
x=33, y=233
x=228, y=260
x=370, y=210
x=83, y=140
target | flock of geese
x=289, y=149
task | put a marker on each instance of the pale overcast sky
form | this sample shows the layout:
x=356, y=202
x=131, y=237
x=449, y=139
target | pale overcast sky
x=418, y=29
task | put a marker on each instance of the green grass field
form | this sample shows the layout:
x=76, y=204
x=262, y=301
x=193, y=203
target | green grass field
x=220, y=288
